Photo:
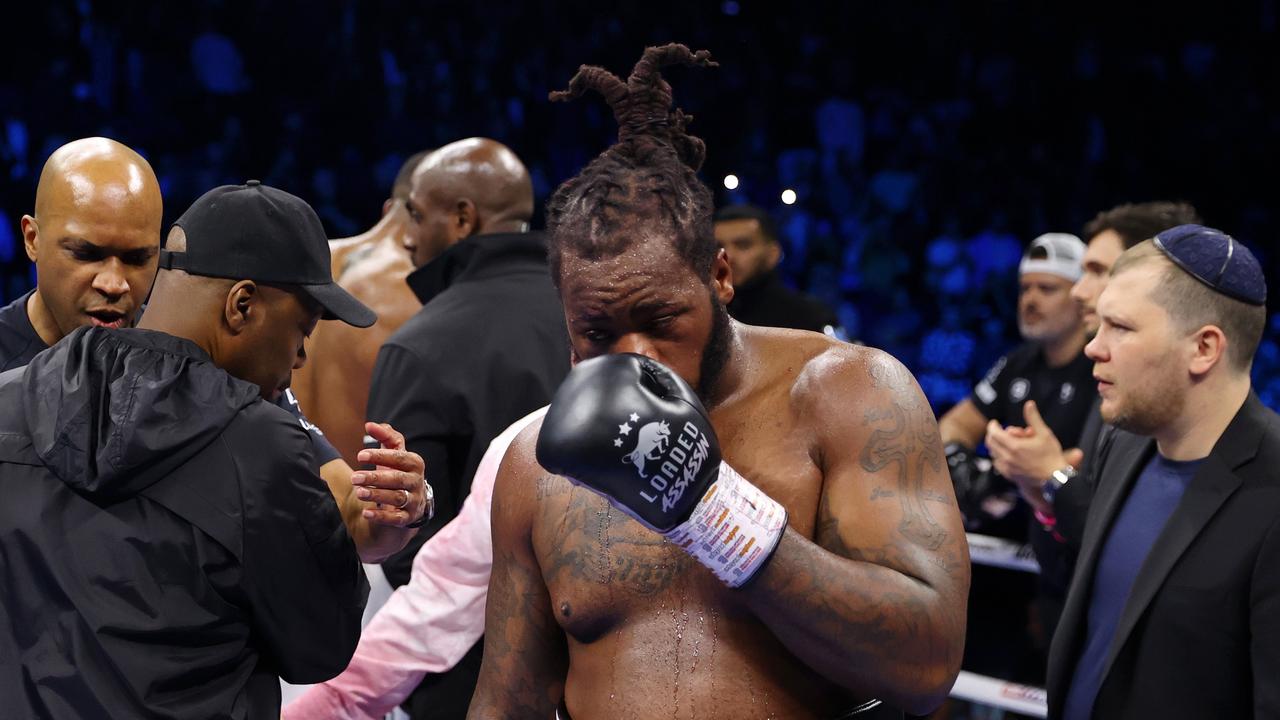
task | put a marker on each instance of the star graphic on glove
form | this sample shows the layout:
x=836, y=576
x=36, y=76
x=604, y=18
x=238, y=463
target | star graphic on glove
x=617, y=442
x=635, y=417
x=624, y=428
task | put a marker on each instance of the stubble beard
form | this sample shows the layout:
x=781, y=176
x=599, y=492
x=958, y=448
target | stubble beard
x=715, y=353
x=1154, y=406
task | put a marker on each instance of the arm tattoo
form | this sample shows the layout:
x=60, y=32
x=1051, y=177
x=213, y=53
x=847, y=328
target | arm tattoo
x=904, y=436
x=600, y=545
x=524, y=654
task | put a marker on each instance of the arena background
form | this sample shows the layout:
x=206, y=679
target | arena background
x=926, y=143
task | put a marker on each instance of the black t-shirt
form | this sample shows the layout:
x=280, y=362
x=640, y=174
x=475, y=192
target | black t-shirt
x=324, y=450
x=19, y=343
x=1064, y=394
x=1065, y=397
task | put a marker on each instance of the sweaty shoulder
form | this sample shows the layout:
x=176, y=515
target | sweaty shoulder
x=516, y=487
x=521, y=456
x=828, y=380
x=818, y=368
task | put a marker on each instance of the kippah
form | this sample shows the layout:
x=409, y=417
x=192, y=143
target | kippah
x=1217, y=260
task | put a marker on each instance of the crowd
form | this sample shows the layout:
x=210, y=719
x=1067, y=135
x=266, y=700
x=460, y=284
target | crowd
x=882, y=185
x=924, y=156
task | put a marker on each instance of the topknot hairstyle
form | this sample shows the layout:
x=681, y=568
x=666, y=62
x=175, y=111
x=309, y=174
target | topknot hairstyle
x=646, y=183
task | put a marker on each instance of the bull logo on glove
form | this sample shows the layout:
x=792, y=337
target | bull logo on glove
x=651, y=442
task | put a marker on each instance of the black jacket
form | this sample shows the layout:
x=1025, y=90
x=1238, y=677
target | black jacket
x=488, y=347
x=166, y=549
x=1199, y=636
x=765, y=301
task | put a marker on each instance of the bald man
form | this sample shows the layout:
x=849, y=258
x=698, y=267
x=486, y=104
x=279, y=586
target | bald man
x=174, y=552
x=372, y=266
x=94, y=239
x=488, y=346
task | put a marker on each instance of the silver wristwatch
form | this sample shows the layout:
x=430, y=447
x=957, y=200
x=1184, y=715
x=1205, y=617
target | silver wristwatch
x=1056, y=481
x=430, y=511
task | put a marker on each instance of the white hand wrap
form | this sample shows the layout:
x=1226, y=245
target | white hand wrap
x=734, y=528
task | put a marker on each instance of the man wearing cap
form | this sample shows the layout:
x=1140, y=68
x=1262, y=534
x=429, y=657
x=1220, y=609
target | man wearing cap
x=1174, y=610
x=1051, y=369
x=95, y=239
x=169, y=549
x=1048, y=368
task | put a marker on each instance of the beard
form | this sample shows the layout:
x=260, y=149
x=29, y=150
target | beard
x=715, y=353
x=1048, y=327
x=1147, y=411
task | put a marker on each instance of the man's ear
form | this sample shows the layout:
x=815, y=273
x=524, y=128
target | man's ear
x=243, y=306
x=466, y=221
x=774, y=254
x=1210, y=349
x=387, y=205
x=30, y=236
x=722, y=277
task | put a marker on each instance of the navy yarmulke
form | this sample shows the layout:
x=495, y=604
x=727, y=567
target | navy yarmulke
x=1217, y=260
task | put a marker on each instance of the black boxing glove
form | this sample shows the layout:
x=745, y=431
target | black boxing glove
x=628, y=428
x=974, y=482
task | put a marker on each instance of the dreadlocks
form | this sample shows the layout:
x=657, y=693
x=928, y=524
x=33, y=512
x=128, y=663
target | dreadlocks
x=647, y=180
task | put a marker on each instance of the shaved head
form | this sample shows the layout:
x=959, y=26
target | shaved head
x=94, y=237
x=91, y=172
x=469, y=187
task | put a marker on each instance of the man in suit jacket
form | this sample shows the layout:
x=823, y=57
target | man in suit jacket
x=1174, y=609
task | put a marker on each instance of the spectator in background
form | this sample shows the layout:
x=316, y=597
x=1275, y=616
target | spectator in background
x=488, y=346
x=1055, y=481
x=750, y=237
x=1050, y=368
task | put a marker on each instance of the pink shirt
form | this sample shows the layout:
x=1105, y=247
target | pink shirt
x=428, y=625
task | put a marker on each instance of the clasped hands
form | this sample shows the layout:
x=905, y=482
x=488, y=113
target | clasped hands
x=1029, y=455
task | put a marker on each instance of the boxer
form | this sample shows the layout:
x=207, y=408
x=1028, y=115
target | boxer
x=791, y=546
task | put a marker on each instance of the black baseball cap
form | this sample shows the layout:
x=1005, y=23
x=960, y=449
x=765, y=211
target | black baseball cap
x=257, y=232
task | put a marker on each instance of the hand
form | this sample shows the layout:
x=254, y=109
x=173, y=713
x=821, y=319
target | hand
x=1028, y=456
x=632, y=430
x=396, y=489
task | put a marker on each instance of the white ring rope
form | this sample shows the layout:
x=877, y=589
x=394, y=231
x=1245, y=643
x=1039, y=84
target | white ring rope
x=989, y=691
x=1001, y=553
x=1002, y=694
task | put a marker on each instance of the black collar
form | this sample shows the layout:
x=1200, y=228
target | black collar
x=473, y=257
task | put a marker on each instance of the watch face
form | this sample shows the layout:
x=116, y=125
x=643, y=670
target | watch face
x=1050, y=490
x=1055, y=482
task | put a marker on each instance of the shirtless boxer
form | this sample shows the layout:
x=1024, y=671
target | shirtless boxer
x=334, y=385
x=860, y=592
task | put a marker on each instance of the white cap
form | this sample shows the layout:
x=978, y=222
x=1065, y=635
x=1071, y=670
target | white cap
x=1061, y=256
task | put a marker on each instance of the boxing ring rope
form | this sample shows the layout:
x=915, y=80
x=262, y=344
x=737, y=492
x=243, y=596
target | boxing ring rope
x=1001, y=553
x=994, y=692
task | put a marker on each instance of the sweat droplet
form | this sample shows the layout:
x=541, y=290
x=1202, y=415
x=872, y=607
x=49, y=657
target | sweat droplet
x=565, y=610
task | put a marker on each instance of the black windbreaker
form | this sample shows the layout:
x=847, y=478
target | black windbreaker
x=166, y=549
